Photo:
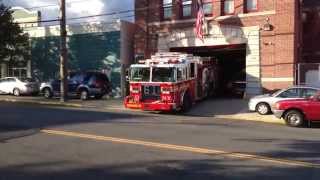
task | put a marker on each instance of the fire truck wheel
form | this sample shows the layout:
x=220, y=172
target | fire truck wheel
x=186, y=104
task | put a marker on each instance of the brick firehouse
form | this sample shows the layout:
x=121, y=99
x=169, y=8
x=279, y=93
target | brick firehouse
x=259, y=42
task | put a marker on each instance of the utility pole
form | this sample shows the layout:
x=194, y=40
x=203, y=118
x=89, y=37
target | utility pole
x=63, y=53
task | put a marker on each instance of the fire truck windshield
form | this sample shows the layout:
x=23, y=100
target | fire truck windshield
x=163, y=74
x=140, y=74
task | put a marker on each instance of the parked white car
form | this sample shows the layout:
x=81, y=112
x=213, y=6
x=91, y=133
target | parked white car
x=17, y=87
x=263, y=104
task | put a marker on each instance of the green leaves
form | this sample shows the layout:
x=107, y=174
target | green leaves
x=14, y=44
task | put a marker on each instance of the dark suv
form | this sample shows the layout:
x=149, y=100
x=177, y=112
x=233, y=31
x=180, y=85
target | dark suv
x=80, y=84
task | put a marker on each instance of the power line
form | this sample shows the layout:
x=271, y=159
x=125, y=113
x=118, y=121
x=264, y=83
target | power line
x=52, y=5
x=44, y=6
x=76, y=18
x=103, y=14
x=83, y=17
x=90, y=16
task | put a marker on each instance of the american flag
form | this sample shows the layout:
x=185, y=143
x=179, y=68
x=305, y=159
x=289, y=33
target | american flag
x=200, y=21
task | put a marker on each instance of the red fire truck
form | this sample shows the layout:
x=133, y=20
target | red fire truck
x=171, y=82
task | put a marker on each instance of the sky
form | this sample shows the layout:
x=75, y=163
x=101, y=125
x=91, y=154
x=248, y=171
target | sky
x=78, y=8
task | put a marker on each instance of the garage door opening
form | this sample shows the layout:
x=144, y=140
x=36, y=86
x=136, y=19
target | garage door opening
x=232, y=64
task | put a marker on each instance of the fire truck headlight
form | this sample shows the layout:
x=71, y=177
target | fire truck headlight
x=166, y=90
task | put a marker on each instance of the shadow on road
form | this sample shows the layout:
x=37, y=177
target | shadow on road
x=215, y=106
x=8, y=132
x=17, y=120
x=156, y=170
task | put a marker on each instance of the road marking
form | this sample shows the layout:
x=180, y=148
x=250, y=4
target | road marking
x=183, y=148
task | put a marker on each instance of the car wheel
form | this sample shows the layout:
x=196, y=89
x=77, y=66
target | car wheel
x=16, y=92
x=47, y=93
x=186, y=104
x=294, y=118
x=84, y=95
x=263, y=108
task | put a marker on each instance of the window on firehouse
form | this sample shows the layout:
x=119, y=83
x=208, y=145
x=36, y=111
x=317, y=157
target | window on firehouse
x=163, y=74
x=140, y=74
x=186, y=8
x=207, y=7
x=252, y=5
x=228, y=6
x=167, y=9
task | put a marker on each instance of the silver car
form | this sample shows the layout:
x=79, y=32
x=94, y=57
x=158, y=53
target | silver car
x=263, y=104
x=18, y=86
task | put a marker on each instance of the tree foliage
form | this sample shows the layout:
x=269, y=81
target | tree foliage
x=14, y=44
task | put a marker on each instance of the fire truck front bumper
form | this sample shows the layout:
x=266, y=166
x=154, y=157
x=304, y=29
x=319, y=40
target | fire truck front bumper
x=150, y=106
x=130, y=103
x=159, y=106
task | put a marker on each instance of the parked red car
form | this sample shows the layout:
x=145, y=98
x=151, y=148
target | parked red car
x=297, y=112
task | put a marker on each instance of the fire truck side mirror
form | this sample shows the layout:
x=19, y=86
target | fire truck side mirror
x=127, y=75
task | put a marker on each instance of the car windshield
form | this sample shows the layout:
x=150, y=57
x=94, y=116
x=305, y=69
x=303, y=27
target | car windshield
x=277, y=92
x=140, y=74
x=163, y=74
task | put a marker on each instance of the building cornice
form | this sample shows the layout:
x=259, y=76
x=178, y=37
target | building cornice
x=220, y=18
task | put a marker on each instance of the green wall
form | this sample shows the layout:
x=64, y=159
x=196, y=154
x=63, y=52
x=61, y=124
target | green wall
x=94, y=51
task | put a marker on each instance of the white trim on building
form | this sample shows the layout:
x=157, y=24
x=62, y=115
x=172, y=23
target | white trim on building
x=223, y=35
x=220, y=18
x=83, y=28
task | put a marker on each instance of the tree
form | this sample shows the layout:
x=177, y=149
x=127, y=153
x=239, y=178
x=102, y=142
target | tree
x=14, y=44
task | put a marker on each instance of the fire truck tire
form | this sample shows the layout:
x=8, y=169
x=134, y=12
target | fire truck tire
x=186, y=104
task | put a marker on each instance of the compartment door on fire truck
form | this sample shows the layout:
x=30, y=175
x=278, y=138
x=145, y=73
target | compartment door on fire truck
x=193, y=75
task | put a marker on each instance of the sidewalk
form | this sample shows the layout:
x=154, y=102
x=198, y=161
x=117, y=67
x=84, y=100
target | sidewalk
x=219, y=108
x=111, y=104
x=230, y=109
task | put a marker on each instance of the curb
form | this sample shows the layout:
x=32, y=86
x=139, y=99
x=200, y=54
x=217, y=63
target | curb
x=60, y=104
x=43, y=103
x=246, y=118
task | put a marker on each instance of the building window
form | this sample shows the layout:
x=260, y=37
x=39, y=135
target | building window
x=208, y=7
x=251, y=5
x=186, y=8
x=228, y=7
x=167, y=9
x=17, y=72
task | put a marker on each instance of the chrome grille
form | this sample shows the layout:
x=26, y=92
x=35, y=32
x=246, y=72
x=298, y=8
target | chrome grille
x=151, y=92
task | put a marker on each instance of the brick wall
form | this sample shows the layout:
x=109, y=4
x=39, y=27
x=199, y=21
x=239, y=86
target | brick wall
x=278, y=48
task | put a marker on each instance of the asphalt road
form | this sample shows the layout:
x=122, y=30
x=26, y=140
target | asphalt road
x=43, y=142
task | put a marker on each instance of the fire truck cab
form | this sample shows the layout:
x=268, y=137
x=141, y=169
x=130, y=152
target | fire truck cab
x=170, y=82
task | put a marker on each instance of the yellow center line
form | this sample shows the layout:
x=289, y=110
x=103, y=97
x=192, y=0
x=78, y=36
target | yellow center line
x=182, y=148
